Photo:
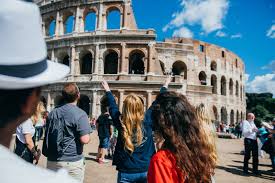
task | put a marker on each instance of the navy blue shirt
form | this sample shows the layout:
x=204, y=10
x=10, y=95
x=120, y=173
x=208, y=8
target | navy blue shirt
x=139, y=160
x=76, y=125
x=104, y=123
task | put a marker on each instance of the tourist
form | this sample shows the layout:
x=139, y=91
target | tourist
x=271, y=140
x=250, y=143
x=93, y=123
x=23, y=70
x=135, y=145
x=104, y=129
x=184, y=152
x=26, y=137
x=238, y=130
x=37, y=119
x=67, y=130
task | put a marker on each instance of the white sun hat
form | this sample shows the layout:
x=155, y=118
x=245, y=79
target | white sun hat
x=23, y=52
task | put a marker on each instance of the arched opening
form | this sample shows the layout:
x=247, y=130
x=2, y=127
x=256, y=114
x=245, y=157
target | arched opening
x=51, y=28
x=215, y=113
x=84, y=103
x=223, y=115
x=214, y=84
x=223, y=86
x=213, y=66
x=232, y=117
x=111, y=63
x=231, y=86
x=237, y=88
x=69, y=24
x=179, y=68
x=90, y=22
x=113, y=19
x=202, y=78
x=86, y=63
x=66, y=60
x=238, y=116
x=241, y=90
x=136, y=62
x=241, y=116
x=58, y=101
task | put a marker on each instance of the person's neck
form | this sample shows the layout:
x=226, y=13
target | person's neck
x=7, y=132
x=73, y=103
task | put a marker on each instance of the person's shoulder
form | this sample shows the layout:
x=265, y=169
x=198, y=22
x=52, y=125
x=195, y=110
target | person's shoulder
x=25, y=172
x=165, y=157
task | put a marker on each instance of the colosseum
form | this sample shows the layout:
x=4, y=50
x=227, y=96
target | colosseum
x=80, y=34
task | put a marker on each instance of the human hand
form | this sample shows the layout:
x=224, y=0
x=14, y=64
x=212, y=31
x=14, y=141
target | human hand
x=37, y=155
x=167, y=81
x=105, y=86
x=255, y=130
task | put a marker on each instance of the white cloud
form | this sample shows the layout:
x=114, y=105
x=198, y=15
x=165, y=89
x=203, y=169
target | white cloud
x=183, y=32
x=209, y=14
x=236, y=36
x=221, y=34
x=261, y=84
x=271, y=32
x=246, y=77
x=270, y=66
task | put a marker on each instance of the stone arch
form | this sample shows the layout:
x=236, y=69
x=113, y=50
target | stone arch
x=237, y=88
x=64, y=58
x=214, y=84
x=86, y=62
x=223, y=115
x=241, y=90
x=111, y=62
x=223, y=86
x=213, y=66
x=203, y=78
x=136, y=62
x=113, y=18
x=162, y=66
x=179, y=68
x=215, y=113
x=68, y=22
x=238, y=116
x=231, y=84
x=50, y=25
x=84, y=103
x=90, y=19
x=232, y=117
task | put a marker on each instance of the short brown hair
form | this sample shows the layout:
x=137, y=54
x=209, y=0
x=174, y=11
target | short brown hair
x=70, y=92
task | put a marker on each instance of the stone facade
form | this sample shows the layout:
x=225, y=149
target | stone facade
x=132, y=61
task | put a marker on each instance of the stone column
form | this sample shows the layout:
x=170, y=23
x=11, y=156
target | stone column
x=121, y=94
x=123, y=62
x=78, y=19
x=76, y=64
x=44, y=29
x=59, y=28
x=149, y=99
x=150, y=64
x=124, y=18
x=52, y=56
x=219, y=85
x=94, y=103
x=100, y=17
x=72, y=60
x=49, y=102
x=96, y=59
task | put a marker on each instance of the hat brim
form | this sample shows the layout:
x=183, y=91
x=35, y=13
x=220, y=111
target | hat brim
x=53, y=73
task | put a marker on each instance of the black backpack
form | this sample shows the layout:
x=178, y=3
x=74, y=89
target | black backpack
x=53, y=145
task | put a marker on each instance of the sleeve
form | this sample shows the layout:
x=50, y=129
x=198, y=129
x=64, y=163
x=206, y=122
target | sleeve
x=158, y=172
x=113, y=110
x=27, y=127
x=83, y=126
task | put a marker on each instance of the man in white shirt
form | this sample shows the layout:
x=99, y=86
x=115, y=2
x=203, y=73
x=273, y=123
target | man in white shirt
x=250, y=143
x=23, y=70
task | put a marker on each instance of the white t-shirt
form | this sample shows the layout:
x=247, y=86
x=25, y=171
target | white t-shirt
x=25, y=128
x=14, y=169
x=248, y=130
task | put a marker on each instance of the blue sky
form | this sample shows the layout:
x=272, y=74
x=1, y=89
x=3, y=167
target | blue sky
x=242, y=26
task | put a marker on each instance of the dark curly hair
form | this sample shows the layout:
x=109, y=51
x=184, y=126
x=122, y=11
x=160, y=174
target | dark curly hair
x=174, y=118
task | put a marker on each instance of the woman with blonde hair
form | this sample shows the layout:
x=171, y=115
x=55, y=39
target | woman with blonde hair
x=135, y=145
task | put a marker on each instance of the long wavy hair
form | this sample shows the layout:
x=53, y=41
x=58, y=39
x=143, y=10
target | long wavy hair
x=40, y=109
x=132, y=119
x=207, y=127
x=174, y=118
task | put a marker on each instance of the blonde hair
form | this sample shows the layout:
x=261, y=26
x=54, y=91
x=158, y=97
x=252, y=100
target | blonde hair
x=132, y=118
x=38, y=113
x=208, y=129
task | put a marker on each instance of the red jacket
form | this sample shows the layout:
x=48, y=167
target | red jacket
x=163, y=169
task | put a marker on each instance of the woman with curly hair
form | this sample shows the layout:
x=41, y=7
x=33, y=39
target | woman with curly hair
x=183, y=147
x=135, y=145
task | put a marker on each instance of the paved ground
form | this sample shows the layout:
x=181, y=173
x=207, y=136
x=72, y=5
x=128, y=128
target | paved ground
x=229, y=168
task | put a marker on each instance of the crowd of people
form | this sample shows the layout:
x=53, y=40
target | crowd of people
x=171, y=142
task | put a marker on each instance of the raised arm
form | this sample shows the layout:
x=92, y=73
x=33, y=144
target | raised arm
x=113, y=108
